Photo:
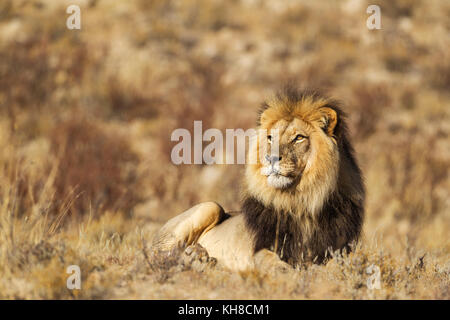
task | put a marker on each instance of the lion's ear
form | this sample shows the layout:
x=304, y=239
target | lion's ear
x=328, y=120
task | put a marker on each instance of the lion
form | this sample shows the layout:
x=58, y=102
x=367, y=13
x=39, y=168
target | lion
x=300, y=202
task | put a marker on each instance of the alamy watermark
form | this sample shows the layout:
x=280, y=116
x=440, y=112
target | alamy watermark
x=74, y=280
x=74, y=20
x=374, y=20
x=221, y=149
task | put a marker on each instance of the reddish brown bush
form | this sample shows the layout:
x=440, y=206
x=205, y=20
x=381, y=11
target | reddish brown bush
x=367, y=105
x=97, y=166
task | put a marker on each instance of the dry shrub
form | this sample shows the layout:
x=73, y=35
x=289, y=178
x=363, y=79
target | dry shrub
x=397, y=63
x=439, y=74
x=27, y=176
x=33, y=66
x=23, y=64
x=367, y=105
x=96, y=165
x=408, y=97
x=316, y=75
x=36, y=76
x=129, y=103
x=415, y=177
x=164, y=264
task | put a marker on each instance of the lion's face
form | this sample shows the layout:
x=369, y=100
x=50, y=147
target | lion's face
x=297, y=154
x=286, y=148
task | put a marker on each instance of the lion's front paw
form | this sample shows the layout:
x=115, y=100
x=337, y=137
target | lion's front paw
x=282, y=267
x=197, y=258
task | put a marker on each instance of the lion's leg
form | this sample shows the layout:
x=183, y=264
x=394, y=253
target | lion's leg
x=230, y=243
x=187, y=227
x=268, y=261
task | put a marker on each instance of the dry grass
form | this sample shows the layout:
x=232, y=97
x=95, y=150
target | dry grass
x=86, y=118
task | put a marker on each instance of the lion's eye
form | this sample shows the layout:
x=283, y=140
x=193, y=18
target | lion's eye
x=299, y=138
x=269, y=138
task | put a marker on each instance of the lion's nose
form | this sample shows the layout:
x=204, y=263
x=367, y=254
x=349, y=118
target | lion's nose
x=273, y=159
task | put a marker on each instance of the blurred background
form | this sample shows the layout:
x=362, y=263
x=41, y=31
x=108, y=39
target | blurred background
x=86, y=115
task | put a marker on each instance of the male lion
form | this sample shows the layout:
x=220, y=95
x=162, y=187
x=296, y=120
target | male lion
x=299, y=203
